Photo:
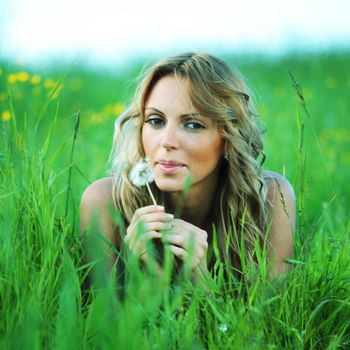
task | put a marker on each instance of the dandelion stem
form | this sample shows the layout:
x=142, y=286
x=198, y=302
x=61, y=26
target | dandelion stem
x=151, y=194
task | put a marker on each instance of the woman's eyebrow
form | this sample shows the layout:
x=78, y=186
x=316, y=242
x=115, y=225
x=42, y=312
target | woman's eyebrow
x=181, y=116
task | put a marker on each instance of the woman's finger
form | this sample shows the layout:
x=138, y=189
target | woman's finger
x=184, y=240
x=158, y=226
x=173, y=239
x=149, y=235
x=184, y=255
x=145, y=215
x=179, y=252
x=164, y=217
x=190, y=229
x=140, y=245
x=148, y=210
x=145, y=210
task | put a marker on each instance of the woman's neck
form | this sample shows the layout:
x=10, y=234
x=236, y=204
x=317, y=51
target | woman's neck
x=195, y=208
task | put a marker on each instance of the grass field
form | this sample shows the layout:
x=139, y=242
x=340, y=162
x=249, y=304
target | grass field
x=47, y=159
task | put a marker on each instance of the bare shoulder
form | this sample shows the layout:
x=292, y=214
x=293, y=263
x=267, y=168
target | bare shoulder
x=97, y=200
x=281, y=199
x=98, y=193
x=278, y=187
x=96, y=209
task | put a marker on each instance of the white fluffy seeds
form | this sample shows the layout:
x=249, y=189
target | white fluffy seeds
x=141, y=173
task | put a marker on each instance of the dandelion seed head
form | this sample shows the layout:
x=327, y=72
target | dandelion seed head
x=141, y=173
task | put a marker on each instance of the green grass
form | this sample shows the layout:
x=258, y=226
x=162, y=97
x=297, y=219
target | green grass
x=42, y=179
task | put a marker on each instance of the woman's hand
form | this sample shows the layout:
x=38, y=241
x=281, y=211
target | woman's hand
x=146, y=224
x=187, y=241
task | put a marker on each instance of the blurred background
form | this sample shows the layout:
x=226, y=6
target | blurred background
x=113, y=32
x=61, y=57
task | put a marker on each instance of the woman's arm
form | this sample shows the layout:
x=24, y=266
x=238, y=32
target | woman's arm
x=282, y=213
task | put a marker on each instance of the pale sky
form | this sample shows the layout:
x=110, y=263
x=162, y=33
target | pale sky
x=107, y=30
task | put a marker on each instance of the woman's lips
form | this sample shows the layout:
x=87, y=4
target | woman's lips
x=169, y=168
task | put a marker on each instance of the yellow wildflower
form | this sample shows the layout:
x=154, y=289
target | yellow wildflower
x=49, y=83
x=331, y=83
x=54, y=96
x=57, y=93
x=338, y=135
x=118, y=108
x=96, y=118
x=35, y=79
x=5, y=116
x=23, y=76
x=12, y=78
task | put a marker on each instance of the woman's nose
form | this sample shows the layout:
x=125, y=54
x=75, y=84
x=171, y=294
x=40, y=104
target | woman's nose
x=170, y=137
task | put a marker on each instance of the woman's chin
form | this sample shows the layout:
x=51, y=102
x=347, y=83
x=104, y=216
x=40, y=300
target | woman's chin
x=169, y=186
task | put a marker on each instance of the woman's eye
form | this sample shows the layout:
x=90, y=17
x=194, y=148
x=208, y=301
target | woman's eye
x=195, y=125
x=158, y=122
x=155, y=121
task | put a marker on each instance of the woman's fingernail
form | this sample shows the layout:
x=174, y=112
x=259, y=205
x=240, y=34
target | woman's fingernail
x=169, y=216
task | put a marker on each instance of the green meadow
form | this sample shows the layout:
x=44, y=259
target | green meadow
x=56, y=132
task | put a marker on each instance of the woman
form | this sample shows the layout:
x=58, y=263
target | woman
x=193, y=118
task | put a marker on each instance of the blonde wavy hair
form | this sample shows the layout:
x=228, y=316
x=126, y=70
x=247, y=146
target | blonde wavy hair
x=217, y=91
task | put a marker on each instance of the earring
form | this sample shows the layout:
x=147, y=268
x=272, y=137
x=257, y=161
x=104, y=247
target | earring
x=226, y=156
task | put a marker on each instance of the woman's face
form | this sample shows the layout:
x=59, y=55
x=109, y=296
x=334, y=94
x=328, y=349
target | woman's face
x=177, y=140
